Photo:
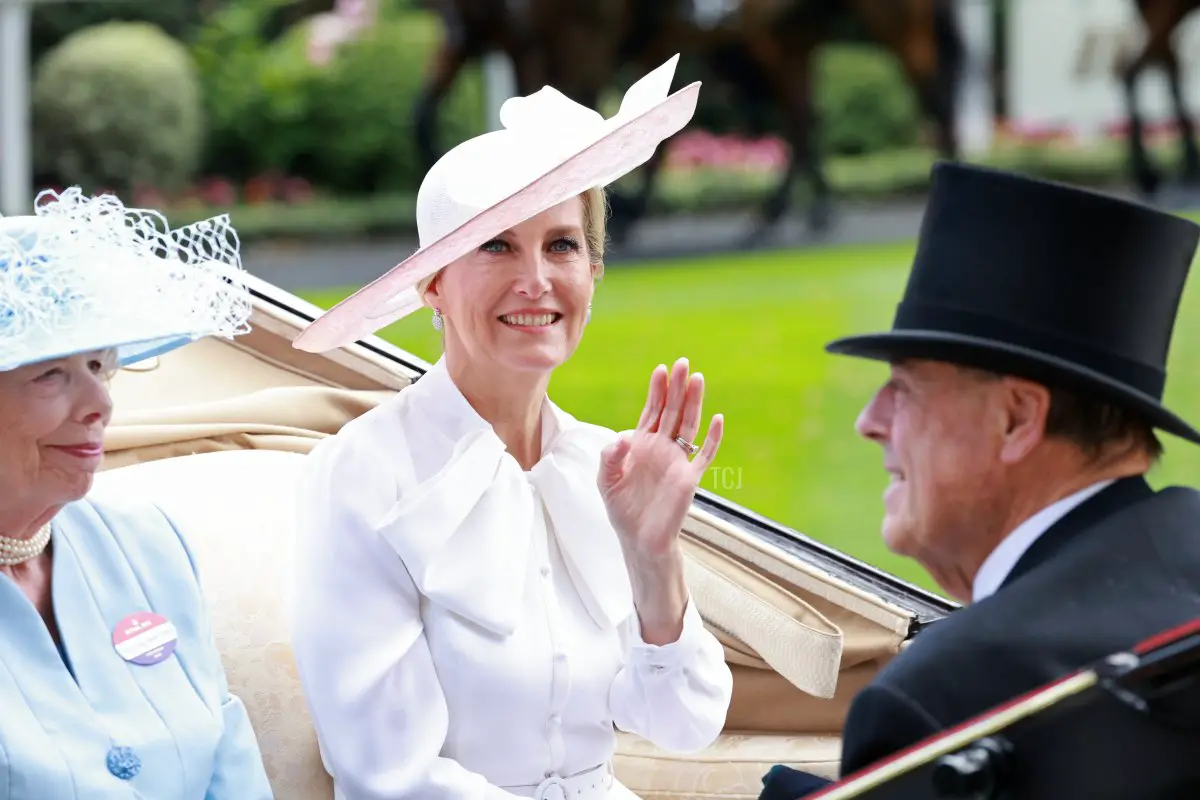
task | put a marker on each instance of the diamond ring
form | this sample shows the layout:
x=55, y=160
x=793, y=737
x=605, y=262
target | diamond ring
x=690, y=448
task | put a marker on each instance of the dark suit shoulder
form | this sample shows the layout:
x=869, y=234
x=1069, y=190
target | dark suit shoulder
x=1174, y=520
x=1128, y=576
x=970, y=660
x=882, y=720
x=1125, y=576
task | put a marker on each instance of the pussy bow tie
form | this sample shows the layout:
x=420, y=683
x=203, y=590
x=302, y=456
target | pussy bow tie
x=465, y=533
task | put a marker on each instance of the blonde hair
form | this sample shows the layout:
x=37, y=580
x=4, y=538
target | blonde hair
x=595, y=226
x=595, y=234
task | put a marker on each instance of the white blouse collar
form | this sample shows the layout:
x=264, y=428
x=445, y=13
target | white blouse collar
x=464, y=533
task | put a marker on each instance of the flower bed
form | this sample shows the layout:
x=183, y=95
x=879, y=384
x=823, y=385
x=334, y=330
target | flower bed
x=701, y=174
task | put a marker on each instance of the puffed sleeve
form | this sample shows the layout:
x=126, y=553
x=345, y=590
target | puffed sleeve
x=675, y=695
x=368, y=675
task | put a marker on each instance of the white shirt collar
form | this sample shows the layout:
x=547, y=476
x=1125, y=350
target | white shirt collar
x=464, y=514
x=1001, y=561
x=448, y=411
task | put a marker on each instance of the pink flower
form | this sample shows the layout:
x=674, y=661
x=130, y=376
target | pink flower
x=148, y=197
x=296, y=190
x=216, y=191
x=700, y=149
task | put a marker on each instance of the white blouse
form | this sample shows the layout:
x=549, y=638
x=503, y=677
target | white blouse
x=463, y=628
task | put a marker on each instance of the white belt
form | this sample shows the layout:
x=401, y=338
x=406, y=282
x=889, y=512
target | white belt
x=592, y=784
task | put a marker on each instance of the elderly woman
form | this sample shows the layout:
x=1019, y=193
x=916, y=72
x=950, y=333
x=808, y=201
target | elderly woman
x=487, y=587
x=110, y=683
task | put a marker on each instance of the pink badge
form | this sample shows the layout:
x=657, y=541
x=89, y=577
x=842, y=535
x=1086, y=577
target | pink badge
x=144, y=638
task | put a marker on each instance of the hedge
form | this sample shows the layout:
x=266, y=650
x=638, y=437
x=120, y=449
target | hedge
x=876, y=177
x=50, y=23
x=863, y=101
x=346, y=126
x=117, y=106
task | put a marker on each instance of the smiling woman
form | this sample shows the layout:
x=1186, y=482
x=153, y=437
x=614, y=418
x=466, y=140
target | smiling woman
x=54, y=416
x=516, y=307
x=109, y=677
x=484, y=583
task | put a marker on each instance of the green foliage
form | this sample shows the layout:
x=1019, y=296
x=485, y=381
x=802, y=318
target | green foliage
x=229, y=51
x=864, y=103
x=116, y=106
x=346, y=125
x=50, y=23
x=878, y=176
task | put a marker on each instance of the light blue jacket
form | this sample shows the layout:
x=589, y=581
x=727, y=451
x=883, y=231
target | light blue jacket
x=85, y=724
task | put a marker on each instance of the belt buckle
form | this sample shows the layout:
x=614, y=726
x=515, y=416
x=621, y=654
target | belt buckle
x=553, y=788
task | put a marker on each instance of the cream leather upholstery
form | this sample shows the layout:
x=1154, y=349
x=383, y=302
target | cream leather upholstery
x=236, y=509
x=732, y=769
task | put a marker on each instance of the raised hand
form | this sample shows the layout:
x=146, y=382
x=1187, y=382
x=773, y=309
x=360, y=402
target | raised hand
x=647, y=477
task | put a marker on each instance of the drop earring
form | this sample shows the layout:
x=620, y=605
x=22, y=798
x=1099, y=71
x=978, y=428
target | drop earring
x=588, y=317
x=437, y=322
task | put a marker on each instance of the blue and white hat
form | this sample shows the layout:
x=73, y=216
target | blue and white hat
x=86, y=273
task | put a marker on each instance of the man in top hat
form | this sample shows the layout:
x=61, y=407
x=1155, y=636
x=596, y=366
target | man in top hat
x=1027, y=366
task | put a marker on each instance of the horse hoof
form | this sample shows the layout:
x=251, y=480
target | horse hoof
x=623, y=216
x=754, y=240
x=618, y=231
x=764, y=234
x=820, y=218
x=1191, y=174
x=1147, y=182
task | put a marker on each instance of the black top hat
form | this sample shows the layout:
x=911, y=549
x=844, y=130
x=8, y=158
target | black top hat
x=1045, y=281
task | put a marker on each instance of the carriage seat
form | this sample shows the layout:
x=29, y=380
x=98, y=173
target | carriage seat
x=241, y=503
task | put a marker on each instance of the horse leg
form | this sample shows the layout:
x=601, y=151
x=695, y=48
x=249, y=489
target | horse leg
x=936, y=98
x=790, y=63
x=530, y=68
x=802, y=138
x=942, y=102
x=1160, y=20
x=627, y=209
x=624, y=209
x=929, y=48
x=1144, y=174
x=1187, y=133
x=450, y=58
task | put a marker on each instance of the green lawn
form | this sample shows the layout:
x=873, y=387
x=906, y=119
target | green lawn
x=755, y=325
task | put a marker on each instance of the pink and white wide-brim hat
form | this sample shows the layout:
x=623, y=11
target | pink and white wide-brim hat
x=549, y=150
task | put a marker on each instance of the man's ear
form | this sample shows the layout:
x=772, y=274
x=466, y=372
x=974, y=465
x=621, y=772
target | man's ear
x=1027, y=406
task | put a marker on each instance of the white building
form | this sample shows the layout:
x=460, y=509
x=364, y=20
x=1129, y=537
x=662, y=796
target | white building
x=1063, y=66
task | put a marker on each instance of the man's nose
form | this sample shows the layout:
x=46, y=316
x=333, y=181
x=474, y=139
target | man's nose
x=873, y=421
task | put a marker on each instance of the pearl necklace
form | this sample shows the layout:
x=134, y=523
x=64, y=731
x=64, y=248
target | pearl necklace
x=18, y=551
